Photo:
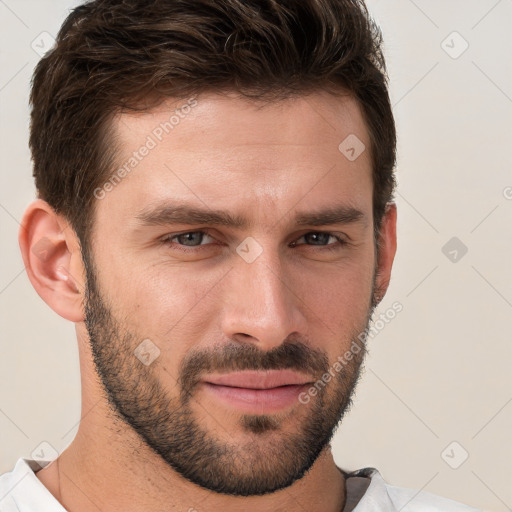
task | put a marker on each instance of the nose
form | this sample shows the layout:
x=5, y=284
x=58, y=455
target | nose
x=262, y=304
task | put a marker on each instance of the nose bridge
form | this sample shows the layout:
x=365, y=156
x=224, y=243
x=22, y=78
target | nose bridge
x=261, y=303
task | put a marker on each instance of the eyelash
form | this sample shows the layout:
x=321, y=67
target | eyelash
x=167, y=240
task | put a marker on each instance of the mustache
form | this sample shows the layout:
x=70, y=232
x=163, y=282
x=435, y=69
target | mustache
x=290, y=355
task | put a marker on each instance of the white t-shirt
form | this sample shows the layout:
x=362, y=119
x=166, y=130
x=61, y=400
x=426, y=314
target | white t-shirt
x=21, y=491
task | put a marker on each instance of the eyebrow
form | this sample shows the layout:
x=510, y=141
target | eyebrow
x=168, y=214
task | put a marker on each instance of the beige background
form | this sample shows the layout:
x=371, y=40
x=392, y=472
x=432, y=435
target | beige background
x=440, y=371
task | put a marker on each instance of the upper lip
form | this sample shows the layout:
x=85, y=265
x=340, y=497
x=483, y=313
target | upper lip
x=258, y=379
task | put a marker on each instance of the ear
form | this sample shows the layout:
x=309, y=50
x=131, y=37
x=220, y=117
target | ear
x=53, y=260
x=387, y=251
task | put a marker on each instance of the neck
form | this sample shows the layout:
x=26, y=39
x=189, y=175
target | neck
x=95, y=475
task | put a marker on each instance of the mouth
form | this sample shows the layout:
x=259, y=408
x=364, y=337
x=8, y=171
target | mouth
x=257, y=392
x=259, y=379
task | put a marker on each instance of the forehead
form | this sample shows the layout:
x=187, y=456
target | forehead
x=268, y=155
x=228, y=119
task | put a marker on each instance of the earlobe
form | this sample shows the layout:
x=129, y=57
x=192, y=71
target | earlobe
x=52, y=258
x=387, y=251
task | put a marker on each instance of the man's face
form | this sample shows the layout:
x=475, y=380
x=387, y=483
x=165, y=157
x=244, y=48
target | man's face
x=169, y=308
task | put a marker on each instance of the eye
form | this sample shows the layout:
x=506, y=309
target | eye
x=321, y=239
x=188, y=239
x=193, y=239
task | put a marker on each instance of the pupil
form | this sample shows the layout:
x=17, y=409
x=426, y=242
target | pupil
x=318, y=236
x=189, y=237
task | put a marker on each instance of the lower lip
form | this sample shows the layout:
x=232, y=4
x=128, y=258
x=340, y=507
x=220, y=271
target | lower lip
x=257, y=400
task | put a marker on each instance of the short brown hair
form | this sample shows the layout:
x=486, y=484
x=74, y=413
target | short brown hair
x=119, y=55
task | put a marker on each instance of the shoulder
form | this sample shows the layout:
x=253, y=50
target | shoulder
x=370, y=492
x=410, y=500
x=21, y=490
x=8, y=483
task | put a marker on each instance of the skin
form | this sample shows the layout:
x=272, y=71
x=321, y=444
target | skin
x=264, y=163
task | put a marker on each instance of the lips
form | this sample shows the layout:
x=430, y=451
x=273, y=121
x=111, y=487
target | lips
x=257, y=392
x=258, y=379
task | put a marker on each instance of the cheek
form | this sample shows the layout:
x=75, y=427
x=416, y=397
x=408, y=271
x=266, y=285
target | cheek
x=180, y=306
x=341, y=313
x=337, y=300
x=172, y=305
